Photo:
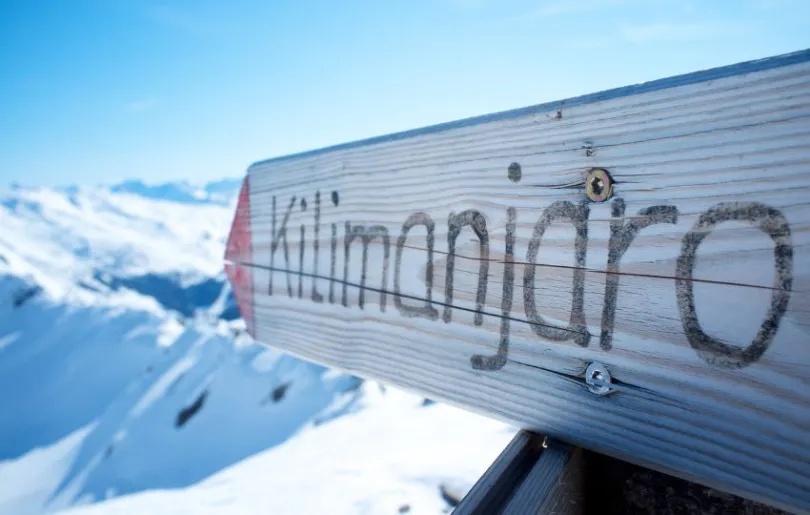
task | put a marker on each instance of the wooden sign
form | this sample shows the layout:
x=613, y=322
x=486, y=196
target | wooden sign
x=627, y=271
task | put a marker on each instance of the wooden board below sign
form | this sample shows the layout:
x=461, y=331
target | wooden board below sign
x=465, y=262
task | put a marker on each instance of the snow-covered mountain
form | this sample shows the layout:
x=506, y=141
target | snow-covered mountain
x=124, y=368
x=219, y=192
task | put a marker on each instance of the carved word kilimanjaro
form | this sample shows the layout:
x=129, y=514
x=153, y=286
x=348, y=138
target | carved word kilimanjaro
x=622, y=233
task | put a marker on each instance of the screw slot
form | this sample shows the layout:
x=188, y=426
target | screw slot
x=598, y=185
x=598, y=379
x=515, y=172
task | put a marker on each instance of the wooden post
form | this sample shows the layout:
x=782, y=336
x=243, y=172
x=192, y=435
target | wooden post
x=532, y=475
x=554, y=485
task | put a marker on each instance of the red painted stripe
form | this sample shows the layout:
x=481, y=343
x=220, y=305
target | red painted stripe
x=238, y=253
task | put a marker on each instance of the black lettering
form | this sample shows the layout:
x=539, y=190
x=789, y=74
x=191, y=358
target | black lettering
x=335, y=202
x=366, y=235
x=333, y=264
x=316, y=296
x=771, y=222
x=576, y=330
x=427, y=311
x=301, y=246
x=277, y=237
x=621, y=237
x=498, y=361
x=479, y=225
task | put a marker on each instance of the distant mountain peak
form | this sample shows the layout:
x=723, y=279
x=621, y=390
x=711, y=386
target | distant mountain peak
x=216, y=192
x=221, y=192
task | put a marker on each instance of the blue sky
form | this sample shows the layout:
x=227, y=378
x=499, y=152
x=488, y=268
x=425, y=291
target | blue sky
x=95, y=91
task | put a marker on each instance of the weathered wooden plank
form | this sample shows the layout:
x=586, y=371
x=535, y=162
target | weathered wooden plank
x=499, y=483
x=491, y=281
x=554, y=484
x=531, y=475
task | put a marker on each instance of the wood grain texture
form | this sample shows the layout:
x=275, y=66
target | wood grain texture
x=691, y=285
x=501, y=481
x=553, y=486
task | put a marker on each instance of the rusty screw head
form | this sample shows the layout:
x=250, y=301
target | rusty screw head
x=598, y=185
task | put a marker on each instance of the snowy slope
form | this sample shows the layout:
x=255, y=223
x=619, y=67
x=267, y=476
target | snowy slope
x=61, y=237
x=124, y=367
x=396, y=455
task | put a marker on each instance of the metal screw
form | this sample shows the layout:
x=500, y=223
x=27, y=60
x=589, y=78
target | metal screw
x=598, y=379
x=598, y=185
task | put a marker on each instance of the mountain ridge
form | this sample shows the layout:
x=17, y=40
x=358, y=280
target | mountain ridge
x=125, y=370
x=220, y=191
